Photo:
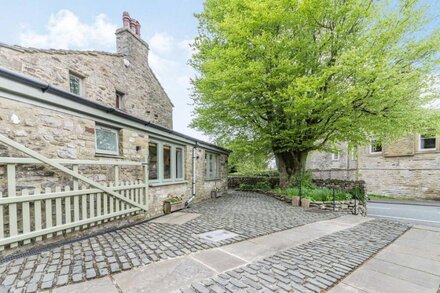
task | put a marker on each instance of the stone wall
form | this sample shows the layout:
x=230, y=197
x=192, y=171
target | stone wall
x=236, y=181
x=345, y=185
x=59, y=135
x=400, y=170
x=126, y=71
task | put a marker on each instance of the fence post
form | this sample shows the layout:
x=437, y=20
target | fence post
x=334, y=200
x=12, y=192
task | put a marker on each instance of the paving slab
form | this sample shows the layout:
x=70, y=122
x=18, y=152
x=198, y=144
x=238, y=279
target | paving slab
x=314, y=266
x=344, y=288
x=218, y=259
x=103, y=285
x=410, y=264
x=176, y=218
x=411, y=261
x=165, y=276
x=427, y=280
x=373, y=281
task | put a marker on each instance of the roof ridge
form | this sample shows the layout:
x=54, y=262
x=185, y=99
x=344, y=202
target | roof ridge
x=57, y=51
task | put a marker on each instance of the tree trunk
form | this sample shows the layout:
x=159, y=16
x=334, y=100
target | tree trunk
x=290, y=165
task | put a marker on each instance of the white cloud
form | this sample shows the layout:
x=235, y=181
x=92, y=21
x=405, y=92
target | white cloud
x=161, y=43
x=185, y=46
x=65, y=30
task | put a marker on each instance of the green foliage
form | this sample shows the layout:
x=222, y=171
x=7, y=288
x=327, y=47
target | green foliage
x=173, y=198
x=290, y=77
x=266, y=173
x=304, y=179
x=315, y=193
x=261, y=185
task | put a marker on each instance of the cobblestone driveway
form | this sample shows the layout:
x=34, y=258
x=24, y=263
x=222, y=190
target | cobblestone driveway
x=246, y=214
x=311, y=267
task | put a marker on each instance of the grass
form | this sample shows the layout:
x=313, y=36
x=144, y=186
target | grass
x=314, y=193
x=403, y=198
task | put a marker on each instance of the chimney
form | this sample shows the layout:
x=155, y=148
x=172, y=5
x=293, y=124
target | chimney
x=126, y=19
x=129, y=42
x=131, y=24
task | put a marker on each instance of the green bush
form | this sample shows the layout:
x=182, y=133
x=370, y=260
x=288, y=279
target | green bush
x=263, y=185
x=314, y=193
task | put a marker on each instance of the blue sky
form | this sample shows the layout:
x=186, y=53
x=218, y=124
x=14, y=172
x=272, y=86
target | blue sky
x=167, y=25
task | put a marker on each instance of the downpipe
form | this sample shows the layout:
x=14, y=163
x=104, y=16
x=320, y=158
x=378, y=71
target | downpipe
x=193, y=181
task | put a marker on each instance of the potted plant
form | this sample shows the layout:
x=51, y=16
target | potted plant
x=173, y=203
x=295, y=201
x=216, y=193
x=305, y=202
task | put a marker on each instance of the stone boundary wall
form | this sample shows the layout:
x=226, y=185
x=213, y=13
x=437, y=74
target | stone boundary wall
x=345, y=185
x=353, y=207
x=235, y=181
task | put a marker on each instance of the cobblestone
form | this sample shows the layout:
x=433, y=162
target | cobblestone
x=247, y=214
x=344, y=250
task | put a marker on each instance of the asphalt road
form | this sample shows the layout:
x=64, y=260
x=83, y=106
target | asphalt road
x=428, y=215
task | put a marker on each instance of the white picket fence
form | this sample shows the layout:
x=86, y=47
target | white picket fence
x=33, y=215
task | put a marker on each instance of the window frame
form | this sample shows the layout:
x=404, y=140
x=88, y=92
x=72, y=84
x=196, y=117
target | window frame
x=104, y=152
x=372, y=152
x=427, y=149
x=210, y=156
x=119, y=100
x=173, y=165
x=336, y=158
x=81, y=83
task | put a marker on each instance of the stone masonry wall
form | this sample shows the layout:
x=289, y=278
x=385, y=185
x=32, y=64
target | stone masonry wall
x=400, y=170
x=59, y=135
x=103, y=74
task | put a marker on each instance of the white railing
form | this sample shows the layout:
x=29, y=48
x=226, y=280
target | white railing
x=33, y=215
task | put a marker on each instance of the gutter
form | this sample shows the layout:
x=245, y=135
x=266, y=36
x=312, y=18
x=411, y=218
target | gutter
x=47, y=88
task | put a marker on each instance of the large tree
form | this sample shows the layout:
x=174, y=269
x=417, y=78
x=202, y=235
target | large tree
x=297, y=76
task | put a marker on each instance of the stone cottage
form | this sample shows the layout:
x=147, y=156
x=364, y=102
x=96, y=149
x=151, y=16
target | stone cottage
x=408, y=167
x=106, y=117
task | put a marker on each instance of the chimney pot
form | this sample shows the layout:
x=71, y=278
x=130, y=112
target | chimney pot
x=126, y=19
x=138, y=28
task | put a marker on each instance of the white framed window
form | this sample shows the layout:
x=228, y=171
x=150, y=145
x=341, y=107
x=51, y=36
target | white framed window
x=153, y=163
x=106, y=140
x=336, y=156
x=76, y=84
x=165, y=162
x=211, y=166
x=427, y=142
x=375, y=147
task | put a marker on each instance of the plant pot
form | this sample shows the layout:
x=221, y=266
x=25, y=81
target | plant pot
x=295, y=201
x=169, y=207
x=215, y=194
x=305, y=202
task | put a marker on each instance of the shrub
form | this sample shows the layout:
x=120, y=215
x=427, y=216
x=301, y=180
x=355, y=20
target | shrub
x=263, y=185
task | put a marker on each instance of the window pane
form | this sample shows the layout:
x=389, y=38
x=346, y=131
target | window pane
x=179, y=163
x=106, y=140
x=75, y=84
x=152, y=162
x=206, y=166
x=427, y=142
x=166, y=162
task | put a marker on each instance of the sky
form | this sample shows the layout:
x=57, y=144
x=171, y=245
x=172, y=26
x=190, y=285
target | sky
x=167, y=25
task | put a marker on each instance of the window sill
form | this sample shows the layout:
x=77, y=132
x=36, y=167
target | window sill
x=427, y=151
x=214, y=179
x=109, y=156
x=167, y=183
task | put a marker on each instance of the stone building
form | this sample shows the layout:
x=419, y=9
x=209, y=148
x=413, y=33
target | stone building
x=89, y=106
x=408, y=167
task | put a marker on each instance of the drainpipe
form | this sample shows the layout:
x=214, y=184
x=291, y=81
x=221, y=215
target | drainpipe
x=193, y=177
x=194, y=157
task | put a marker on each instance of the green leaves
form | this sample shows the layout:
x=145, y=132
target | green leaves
x=301, y=75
